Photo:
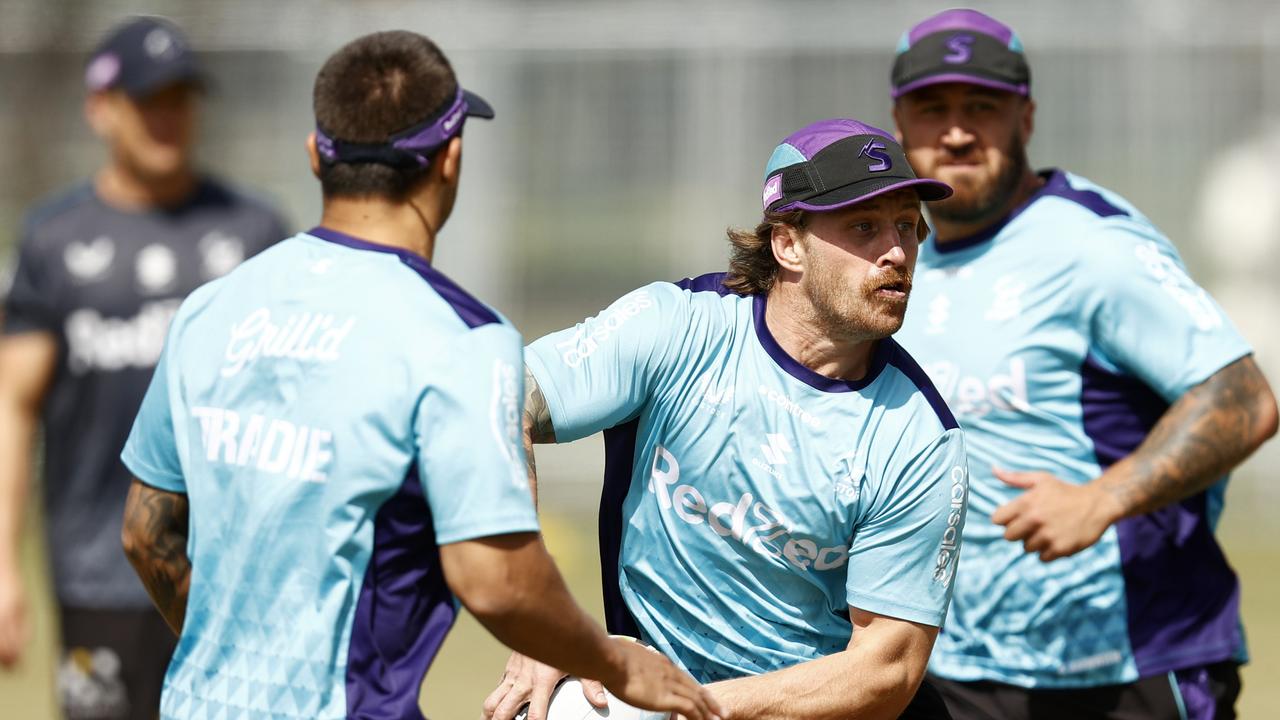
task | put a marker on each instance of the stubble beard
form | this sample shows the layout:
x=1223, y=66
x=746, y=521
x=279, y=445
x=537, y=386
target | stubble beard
x=987, y=202
x=853, y=316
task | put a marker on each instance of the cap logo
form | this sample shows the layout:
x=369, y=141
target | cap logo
x=875, y=151
x=772, y=189
x=102, y=71
x=959, y=45
x=453, y=119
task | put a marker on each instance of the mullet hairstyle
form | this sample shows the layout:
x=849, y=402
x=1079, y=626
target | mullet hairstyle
x=372, y=88
x=752, y=267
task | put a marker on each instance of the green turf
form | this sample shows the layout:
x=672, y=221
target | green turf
x=471, y=661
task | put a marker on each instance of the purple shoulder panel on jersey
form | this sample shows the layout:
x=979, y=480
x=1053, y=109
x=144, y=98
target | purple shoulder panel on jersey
x=404, y=611
x=907, y=365
x=710, y=282
x=619, y=461
x=472, y=312
x=1055, y=185
x=1182, y=597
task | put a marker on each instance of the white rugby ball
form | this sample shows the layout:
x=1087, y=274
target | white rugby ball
x=568, y=703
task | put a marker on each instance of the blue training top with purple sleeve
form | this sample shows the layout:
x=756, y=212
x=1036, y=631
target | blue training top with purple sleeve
x=335, y=410
x=1059, y=337
x=749, y=501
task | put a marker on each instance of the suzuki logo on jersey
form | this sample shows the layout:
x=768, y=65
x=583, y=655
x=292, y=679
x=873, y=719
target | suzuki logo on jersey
x=1007, y=303
x=309, y=337
x=274, y=446
x=95, y=342
x=876, y=151
x=944, y=568
x=588, y=336
x=1175, y=281
x=975, y=396
x=766, y=532
x=939, y=314
x=775, y=452
x=505, y=419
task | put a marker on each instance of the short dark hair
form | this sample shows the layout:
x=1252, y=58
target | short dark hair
x=372, y=88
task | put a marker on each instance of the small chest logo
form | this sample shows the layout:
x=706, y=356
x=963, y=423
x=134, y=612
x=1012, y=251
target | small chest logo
x=89, y=260
x=848, y=482
x=1007, y=303
x=960, y=47
x=220, y=253
x=157, y=269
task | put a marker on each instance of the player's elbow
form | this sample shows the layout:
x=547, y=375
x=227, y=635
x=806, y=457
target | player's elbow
x=1266, y=417
x=133, y=540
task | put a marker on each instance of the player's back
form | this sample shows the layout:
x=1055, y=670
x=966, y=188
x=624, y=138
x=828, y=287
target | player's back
x=304, y=387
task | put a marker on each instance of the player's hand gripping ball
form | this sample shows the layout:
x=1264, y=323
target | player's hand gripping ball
x=568, y=703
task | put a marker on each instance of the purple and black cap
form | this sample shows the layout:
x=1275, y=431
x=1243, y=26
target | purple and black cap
x=963, y=46
x=142, y=55
x=834, y=163
x=412, y=146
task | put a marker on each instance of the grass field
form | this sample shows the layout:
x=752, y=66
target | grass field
x=471, y=661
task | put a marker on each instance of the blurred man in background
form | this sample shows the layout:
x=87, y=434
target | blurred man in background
x=343, y=421
x=1104, y=397
x=100, y=271
x=783, y=486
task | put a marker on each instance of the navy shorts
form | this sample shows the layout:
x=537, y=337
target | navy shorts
x=1203, y=693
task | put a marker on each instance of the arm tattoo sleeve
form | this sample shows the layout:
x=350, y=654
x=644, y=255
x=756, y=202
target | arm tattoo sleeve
x=1207, y=432
x=155, y=539
x=537, y=426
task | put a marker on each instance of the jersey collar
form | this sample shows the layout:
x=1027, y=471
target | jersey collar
x=884, y=352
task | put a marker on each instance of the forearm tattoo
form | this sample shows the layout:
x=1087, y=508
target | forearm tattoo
x=1208, y=431
x=537, y=426
x=156, y=524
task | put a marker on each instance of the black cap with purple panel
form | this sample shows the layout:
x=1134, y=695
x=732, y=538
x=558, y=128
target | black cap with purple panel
x=834, y=163
x=960, y=46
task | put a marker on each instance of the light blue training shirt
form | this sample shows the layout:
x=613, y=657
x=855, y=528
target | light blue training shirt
x=334, y=410
x=1059, y=337
x=748, y=501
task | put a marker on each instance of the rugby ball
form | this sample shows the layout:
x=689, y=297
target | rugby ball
x=568, y=703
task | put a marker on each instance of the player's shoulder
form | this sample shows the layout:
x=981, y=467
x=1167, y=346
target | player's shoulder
x=1094, y=228
x=912, y=396
x=705, y=295
x=59, y=215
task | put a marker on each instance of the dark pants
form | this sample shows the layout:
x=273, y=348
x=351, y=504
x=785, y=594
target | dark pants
x=1204, y=693
x=113, y=663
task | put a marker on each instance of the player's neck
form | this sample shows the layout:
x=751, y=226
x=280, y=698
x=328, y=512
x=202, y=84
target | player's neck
x=948, y=230
x=405, y=226
x=121, y=188
x=791, y=322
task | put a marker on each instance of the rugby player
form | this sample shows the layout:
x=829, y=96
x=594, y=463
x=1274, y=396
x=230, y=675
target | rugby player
x=100, y=270
x=1104, y=396
x=330, y=447
x=784, y=488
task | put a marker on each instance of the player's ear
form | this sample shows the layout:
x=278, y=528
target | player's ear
x=787, y=248
x=897, y=121
x=313, y=154
x=450, y=161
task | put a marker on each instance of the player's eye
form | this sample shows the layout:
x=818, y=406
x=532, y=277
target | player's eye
x=862, y=227
x=907, y=226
